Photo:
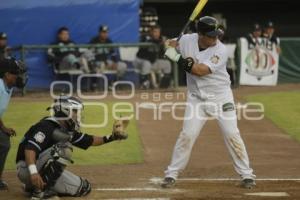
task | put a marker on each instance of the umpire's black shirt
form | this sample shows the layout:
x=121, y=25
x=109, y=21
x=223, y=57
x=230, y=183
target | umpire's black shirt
x=40, y=137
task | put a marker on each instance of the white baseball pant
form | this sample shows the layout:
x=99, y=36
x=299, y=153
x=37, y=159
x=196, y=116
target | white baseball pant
x=196, y=113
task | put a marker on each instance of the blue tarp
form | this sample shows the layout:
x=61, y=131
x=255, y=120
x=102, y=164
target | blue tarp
x=37, y=21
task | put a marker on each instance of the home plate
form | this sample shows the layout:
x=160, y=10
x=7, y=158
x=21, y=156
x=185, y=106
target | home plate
x=268, y=194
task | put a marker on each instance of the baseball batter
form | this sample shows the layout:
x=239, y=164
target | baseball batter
x=204, y=59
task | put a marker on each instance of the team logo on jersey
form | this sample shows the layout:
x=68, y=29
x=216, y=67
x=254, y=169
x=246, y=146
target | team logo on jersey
x=215, y=59
x=39, y=137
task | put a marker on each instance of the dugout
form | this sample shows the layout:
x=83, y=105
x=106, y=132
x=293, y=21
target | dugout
x=34, y=22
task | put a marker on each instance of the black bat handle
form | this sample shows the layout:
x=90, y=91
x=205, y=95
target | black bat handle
x=183, y=30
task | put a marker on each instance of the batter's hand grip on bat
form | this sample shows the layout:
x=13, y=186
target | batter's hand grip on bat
x=183, y=30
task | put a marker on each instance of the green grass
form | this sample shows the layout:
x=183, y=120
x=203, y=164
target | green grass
x=21, y=115
x=283, y=108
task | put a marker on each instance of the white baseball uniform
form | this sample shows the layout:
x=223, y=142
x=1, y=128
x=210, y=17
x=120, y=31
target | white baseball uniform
x=208, y=96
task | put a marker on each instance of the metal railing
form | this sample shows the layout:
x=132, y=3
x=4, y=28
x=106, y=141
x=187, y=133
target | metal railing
x=23, y=49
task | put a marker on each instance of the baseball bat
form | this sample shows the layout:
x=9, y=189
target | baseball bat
x=200, y=5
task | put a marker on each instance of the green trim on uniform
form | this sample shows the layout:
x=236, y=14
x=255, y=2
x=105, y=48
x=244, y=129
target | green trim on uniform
x=228, y=107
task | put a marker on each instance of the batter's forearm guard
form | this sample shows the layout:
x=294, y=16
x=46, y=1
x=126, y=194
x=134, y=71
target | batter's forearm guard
x=186, y=63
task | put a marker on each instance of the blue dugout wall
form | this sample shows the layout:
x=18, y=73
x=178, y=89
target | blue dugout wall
x=36, y=22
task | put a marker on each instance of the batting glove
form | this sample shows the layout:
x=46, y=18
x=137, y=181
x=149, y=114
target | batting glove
x=172, y=54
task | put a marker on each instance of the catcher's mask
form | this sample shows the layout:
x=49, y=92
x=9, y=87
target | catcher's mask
x=68, y=109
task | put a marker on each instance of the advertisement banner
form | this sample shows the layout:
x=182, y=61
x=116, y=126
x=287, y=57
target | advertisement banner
x=259, y=63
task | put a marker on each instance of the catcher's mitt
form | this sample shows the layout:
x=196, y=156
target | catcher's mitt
x=119, y=129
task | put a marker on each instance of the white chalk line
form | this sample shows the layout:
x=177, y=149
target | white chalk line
x=158, y=180
x=127, y=189
x=150, y=189
x=268, y=194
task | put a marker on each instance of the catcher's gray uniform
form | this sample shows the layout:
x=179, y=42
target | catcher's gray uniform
x=51, y=141
x=53, y=147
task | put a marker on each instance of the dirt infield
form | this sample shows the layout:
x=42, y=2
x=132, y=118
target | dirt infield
x=273, y=154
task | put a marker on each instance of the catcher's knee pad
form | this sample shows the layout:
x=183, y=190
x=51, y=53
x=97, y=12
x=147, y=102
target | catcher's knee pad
x=51, y=171
x=70, y=184
x=53, y=161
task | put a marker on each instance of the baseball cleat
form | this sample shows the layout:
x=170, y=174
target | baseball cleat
x=45, y=195
x=168, y=182
x=248, y=183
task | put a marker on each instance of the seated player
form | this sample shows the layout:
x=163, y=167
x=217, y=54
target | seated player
x=254, y=38
x=5, y=50
x=155, y=69
x=68, y=57
x=106, y=58
x=270, y=37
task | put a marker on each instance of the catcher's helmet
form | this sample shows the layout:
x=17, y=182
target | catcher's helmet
x=63, y=108
x=209, y=26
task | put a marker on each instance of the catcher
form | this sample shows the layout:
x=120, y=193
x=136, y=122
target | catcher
x=46, y=150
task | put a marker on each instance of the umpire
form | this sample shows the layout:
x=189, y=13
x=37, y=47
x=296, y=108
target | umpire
x=12, y=74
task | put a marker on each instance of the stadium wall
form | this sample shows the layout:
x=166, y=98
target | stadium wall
x=36, y=22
